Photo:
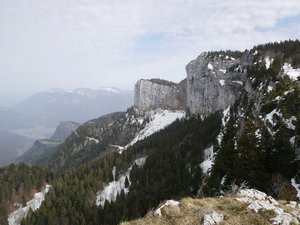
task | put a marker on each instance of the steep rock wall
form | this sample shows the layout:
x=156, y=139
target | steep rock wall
x=153, y=94
x=215, y=82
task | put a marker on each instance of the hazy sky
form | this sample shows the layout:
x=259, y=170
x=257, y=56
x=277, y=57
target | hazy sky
x=96, y=43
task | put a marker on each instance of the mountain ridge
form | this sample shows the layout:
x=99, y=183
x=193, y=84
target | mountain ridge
x=247, y=131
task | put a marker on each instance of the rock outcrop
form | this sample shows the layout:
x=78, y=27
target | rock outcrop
x=258, y=200
x=212, y=218
x=156, y=93
x=215, y=82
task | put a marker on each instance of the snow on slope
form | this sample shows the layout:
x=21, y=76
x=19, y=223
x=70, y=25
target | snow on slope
x=208, y=159
x=159, y=119
x=93, y=139
x=225, y=119
x=92, y=93
x=269, y=118
x=114, y=188
x=222, y=82
x=268, y=62
x=16, y=217
x=290, y=71
x=296, y=186
x=110, y=89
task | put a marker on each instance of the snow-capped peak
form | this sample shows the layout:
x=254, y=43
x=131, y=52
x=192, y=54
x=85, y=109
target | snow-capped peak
x=92, y=93
x=56, y=90
x=111, y=90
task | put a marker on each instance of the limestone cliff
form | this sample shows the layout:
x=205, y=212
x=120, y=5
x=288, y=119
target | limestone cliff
x=156, y=93
x=215, y=82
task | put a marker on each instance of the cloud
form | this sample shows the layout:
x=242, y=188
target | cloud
x=69, y=43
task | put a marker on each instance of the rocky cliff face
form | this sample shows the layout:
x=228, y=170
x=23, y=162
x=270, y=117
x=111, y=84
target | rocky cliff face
x=156, y=93
x=215, y=82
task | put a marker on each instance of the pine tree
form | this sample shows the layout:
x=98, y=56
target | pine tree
x=250, y=162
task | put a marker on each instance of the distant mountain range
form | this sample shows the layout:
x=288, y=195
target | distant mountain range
x=34, y=116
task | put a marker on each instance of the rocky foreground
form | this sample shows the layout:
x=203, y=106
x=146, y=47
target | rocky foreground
x=249, y=206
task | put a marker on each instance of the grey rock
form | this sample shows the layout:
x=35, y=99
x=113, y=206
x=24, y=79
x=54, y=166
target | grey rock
x=214, y=82
x=212, y=218
x=155, y=93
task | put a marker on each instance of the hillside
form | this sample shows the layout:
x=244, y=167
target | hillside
x=236, y=120
x=12, y=145
x=41, y=150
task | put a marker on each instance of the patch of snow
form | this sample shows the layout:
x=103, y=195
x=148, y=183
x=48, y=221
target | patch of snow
x=269, y=116
x=111, y=191
x=226, y=116
x=292, y=140
x=114, y=173
x=171, y=203
x=91, y=93
x=290, y=71
x=209, y=66
x=17, y=216
x=261, y=86
x=278, y=98
x=159, y=119
x=223, y=180
x=289, y=91
x=239, y=68
x=225, y=119
x=238, y=82
x=212, y=218
x=141, y=121
x=208, y=159
x=140, y=161
x=93, y=139
x=296, y=186
x=289, y=122
x=114, y=188
x=111, y=90
x=258, y=134
x=120, y=148
x=269, y=89
x=222, y=82
x=268, y=61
